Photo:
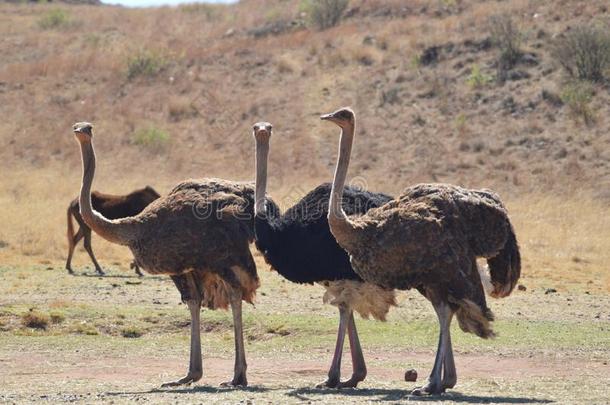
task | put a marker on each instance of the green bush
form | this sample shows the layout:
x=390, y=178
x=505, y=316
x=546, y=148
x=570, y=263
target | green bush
x=151, y=137
x=477, y=79
x=578, y=96
x=324, y=14
x=145, y=63
x=56, y=18
x=584, y=52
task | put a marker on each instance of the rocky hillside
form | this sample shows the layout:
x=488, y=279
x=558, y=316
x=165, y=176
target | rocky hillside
x=174, y=91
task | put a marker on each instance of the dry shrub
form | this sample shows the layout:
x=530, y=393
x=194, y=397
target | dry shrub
x=287, y=64
x=584, y=52
x=35, y=320
x=145, y=63
x=131, y=332
x=507, y=38
x=324, y=14
x=180, y=109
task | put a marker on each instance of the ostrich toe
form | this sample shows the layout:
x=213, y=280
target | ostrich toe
x=428, y=389
x=238, y=381
x=351, y=383
x=329, y=383
x=190, y=378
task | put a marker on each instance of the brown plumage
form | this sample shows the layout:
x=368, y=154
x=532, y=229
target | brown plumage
x=429, y=238
x=199, y=235
x=111, y=207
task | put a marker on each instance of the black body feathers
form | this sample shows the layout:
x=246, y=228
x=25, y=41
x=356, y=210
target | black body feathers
x=299, y=244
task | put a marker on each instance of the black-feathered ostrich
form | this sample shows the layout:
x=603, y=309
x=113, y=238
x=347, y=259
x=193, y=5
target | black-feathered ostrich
x=429, y=238
x=199, y=235
x=300, y=247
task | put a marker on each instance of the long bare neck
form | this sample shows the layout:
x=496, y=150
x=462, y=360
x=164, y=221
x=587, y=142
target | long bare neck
x=262, y=155
x=113, y=231
x=335, y=210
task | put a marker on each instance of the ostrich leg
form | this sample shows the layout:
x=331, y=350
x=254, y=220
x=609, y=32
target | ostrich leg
x=449, y=372
x=190, y=294
x=89, y=250
x=358, y=364
x=334, y=373
x=434, y=385
x=239, y=377
x=71, y=245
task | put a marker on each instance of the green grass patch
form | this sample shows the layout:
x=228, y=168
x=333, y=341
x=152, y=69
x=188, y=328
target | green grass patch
x=578, y=96
x=152, y=137
x=131, y=332
x=477, y=79
x=56, y=18
x=145, y=63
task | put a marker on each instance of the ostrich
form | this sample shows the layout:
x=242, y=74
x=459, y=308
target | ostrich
x=300, y=247
x=199, y=235
x=111, y=207
x=429, y=238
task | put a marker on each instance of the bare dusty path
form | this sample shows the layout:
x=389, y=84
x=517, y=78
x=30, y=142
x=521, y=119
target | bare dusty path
x=30, y=377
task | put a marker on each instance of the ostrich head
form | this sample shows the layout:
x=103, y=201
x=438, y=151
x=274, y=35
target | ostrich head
x=262, y=131
x=343, y=117
x=83, y=131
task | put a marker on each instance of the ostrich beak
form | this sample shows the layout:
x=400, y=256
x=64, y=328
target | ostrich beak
x=82, y=127
x=327, y=117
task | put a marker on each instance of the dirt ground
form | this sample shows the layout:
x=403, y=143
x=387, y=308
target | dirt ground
x=553, y=347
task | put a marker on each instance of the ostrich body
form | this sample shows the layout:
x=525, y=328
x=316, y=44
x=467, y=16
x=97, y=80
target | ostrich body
x=300, y=247
x=199, y=235
x=429, y=238
x=111, y=207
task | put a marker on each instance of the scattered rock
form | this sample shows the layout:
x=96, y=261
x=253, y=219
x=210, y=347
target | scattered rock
x=369, y=40
x=3, y=244
x=550, y=291
x=551, y=98
x=482, y=45
x=529, y=59
x=275, y=28
x=562, y=153
x=429, y=56
x=514, y=75
x=411, y=375
x=521, y=287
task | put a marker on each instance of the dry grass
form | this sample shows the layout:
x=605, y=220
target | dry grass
x=217, y=79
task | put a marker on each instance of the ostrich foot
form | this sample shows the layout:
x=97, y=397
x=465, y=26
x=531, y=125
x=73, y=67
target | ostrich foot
x=134, y=266
x=190, y=378
x=100, y=272
x=331, y=382
x=70, y=271
x=428, y=389
x=238, y=381
x=352, y=382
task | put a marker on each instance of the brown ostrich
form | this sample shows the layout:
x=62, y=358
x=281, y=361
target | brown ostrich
x=199, y=235
x=111, y=207
x=429, y=238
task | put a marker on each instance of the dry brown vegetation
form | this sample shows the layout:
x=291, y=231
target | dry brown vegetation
x=173, y=93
